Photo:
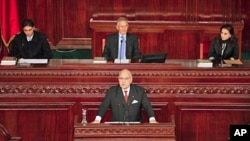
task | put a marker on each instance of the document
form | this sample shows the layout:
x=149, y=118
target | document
x=237, y=62
x=204, y=63
x=32, y=61
x=122, y=122
x=99, y=60
x=122, y=61
x=8, y=60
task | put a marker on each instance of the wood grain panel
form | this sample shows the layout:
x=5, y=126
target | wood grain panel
x=128, y=132
x=39, y=103
x=40, y=121
x=196, y=121
x=182, y=44
x=70, y=19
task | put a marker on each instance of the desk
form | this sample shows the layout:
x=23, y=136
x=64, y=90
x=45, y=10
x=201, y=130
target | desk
x=138, y=132
x=40, y=102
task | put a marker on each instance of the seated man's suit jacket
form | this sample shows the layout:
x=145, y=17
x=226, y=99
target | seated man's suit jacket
x=37, y=48
x=111, y=47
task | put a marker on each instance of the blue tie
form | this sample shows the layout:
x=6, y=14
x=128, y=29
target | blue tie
x=122, y=48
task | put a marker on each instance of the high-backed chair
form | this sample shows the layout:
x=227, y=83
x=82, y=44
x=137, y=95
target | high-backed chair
x=204, y=48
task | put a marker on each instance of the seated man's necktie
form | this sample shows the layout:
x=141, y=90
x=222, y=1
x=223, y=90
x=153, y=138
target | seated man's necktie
x=123, y=48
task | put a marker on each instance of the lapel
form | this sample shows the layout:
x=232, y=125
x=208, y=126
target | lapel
x=227, y=49
x=120, y=96
x=217, y=49
x=132, y=95
x=116, y=45
x=128, y=40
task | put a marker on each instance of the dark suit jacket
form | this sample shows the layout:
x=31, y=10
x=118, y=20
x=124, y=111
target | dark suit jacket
x=37, y=48
x=111, y=47
x=122, y=111
x=231, y=50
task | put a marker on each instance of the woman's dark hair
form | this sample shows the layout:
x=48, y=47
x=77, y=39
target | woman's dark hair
x=27, y=22
x=230, y=28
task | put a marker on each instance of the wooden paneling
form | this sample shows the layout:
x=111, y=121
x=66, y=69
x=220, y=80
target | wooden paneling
x=40, y=121
x=66, y=19
x=196, y=121
x=181, y=44
x=128, y=132
x=245, y=17
x=39, y=103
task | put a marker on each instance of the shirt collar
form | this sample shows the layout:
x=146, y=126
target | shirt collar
x=30, y=38
x=120, y=36
x=128, y=89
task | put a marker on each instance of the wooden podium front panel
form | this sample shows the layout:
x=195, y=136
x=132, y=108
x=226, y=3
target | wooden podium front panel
x=128, y=132
x=198, y=120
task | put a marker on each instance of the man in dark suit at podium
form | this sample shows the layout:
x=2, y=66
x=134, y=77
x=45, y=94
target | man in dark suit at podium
x=126, y=101
x=121, y=45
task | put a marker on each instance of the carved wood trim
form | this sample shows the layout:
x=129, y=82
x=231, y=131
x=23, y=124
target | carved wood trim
x=95, y=90
x=187, y=73
x=158, y=131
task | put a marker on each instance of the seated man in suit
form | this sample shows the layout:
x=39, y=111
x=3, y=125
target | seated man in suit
x=113, y=47
x=126, y=101
x=30, y=44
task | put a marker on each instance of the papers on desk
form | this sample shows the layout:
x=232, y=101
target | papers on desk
x=99, y=60
x=122, y=61
x=32, y=61
x=7, y=60
x=122, y=122
x=204, y=63
x=236, y=62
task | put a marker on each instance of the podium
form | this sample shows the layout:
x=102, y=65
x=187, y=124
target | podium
x=128, y=132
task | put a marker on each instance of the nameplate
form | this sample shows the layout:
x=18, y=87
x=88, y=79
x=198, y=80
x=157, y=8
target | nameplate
x=32, y=61
x=122, y=61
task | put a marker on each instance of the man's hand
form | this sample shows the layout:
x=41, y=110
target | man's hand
x=95, y=122
x=153, y=121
